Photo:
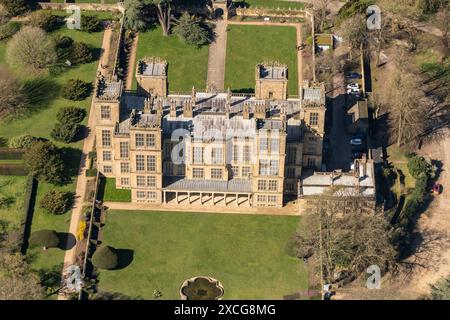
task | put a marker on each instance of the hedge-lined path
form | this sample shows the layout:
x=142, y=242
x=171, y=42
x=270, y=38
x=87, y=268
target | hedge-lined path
x=298, y=27
x=131, y=63
x=217, y=56
x=88, y=145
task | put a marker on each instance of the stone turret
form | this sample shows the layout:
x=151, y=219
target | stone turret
x=173, y=108
x=246, y=110
x=271, y=81
x=188, y=109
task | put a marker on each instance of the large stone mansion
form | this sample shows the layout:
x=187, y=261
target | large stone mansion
x=208, y=147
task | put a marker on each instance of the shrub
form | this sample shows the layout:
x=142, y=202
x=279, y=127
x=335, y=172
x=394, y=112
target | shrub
x=65, y=132
x=45, y=238
x=9, y=29
x=81, y=229
x=76, y=90
x=105, y=257
x=71, y=115
x=43, y=160
x=63, y=42
x=15, y=7
x=32, y=49
x=44, y=19
x=418, y=165
x=57, y=202
x=23, y=141
x=192, y=31
x=80, y=53
x=90, y=23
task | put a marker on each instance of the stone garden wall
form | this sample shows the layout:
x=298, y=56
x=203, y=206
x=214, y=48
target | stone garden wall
x=83, y=6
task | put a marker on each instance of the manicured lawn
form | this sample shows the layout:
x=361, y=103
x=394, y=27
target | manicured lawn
x=399, y=161
x=110, y=193
x=12, y=187
x=47, y=98
x=250, y=45
x=187, y=65
x=272, y=4
x=244, y=252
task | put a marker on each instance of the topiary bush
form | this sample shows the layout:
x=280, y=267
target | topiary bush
x=63, y=42
x=44, y=19
x=76, y=90
x=45, y=238
x=44, y=161
x=80, y=52
x=65, y=132
x=105, y=257
x=90, y=23
x=57, y=202
x=71, y=115
x=417, y=165
x=23, y=141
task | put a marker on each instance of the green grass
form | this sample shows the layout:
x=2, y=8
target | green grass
x=272, y=4
x=399, y=161
x=43, y=118
x=12, y=187
x=244, y=252
x=110, y=192
x=187, y=64
x=43, y=220
x=249, y=45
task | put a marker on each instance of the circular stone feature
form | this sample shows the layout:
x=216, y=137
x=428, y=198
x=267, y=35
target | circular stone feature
x=201, y=288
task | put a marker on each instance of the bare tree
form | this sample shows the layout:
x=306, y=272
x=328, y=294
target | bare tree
x=164, y=11
x=344, y=237
x=353, y=31
x=13, y=100
x=31, y=49
x=320, y=14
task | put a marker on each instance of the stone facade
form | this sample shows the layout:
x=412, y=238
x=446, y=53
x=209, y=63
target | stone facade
x=151, y=76
x=207, y=146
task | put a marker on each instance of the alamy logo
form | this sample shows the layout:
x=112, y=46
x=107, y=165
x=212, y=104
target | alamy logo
x=73, y=22
x=73, y=280
x=374, y=17
x=374, y=280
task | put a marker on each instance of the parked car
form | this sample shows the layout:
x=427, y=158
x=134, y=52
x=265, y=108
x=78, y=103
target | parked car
x=355, y=92
x=353, y=86
x=437, y=188
x=353, y=75
x=356, y=142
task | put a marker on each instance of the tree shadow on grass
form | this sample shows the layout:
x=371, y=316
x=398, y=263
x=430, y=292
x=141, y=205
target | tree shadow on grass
x=66, y=240
x=40, y=92
x=126, y=256
x=72, y=158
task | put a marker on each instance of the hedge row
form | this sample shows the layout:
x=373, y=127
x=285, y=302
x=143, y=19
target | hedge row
x=28, y=209
x=11, y=154
x=12, y=169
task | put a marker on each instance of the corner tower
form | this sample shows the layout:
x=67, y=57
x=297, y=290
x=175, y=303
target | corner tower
x=271, y=81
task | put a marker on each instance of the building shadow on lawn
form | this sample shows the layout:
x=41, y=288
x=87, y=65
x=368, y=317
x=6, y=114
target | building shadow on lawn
x=126, y=256
x=66, y=240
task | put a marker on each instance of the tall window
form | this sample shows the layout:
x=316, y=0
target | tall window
x=151, y=181
x=150, y=140
x=273, y=185
x=198, y=155
x=216, y=155
x=262, y=185
x=124, y=167
x=290, y=172
x=139, y=140
x=125, y=181
x=311, y=162
x=124, y=147
x=263, y=144
x=151, y=163
x=107, y=169
x=273, y=167
x=140, y=181
x=313, y=119
x=246, y=154
x=198, y=173
x=105, y=112
x=106, y=138
x=216, y=173
x=291, y=155
x=235, y=153
x=263, y=167
x=106, y=155
x=246, y=172
x=235, y=171
x=274, y=145
x=140, y=165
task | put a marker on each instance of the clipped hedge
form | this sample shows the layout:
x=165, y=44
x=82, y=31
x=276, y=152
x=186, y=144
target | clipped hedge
x=11, y=153
x=12, y=169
